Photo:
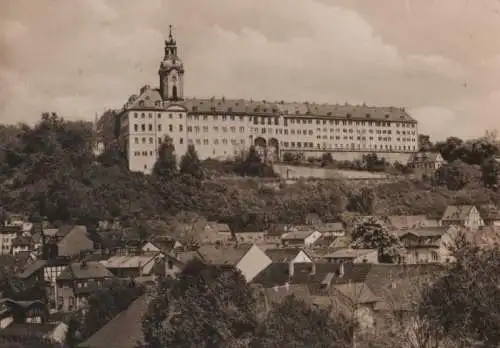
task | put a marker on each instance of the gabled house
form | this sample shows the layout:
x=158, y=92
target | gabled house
x=21, y=312
x=350, y=255
x=426, y=163
x=22, y=244
x=340, y=287
x=290, y=256
x=426, y=245
x=45, y=271
x=490, y=215
x=78, y=281
x=462, y=216
x=300, y=236
x=216, y=232
x=7, y=236
x=141, y=267
x=161, y=246
x=249, y=259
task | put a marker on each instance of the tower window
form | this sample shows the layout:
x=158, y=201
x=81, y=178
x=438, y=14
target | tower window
x=150, y=127
x=143, y=127
x=170, y=128
x=159, y=127
x=136, y=127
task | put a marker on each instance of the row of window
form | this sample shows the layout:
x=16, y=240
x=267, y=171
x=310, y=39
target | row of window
x=310, y=145
x=275, y=120
x=150, y=115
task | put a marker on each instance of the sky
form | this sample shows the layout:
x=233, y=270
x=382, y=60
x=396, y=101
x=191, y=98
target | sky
x=438, y=58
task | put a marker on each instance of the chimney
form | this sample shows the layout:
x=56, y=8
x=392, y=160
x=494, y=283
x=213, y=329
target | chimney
x=83, y=264
x=341, y=270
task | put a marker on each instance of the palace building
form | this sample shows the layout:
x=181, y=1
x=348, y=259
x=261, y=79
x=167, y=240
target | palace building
x=224, y=128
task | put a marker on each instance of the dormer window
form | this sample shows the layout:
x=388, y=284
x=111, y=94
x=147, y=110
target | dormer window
x=141, y=103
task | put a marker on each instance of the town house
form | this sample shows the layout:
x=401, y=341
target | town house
x=426, y=245
x=78, y=281
x=300, y=236
x=462, y=216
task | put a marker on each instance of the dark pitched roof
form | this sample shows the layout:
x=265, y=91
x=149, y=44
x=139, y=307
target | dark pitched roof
x=277, y=273
x=85, y=270
x=424, y=232
x=295, y=109
x=123, y=331
x=282, y=254
x=314, y=276
x=223, y=255
x=278, y=229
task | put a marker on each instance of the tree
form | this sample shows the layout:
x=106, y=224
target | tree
x=456, y=175
x=425, y=143
x=373, y=234
x=190, y=163
x=208, y=306
x=253, y=165
x=295, y=324
x=465, y=302
x=490, y=171
x=166, y=164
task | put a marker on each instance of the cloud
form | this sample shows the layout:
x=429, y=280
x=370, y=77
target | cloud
x=80, y=57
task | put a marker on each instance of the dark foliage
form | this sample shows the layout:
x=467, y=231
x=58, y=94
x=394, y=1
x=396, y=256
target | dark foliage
x=295, y=324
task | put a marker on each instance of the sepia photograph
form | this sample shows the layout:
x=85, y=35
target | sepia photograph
x=249, y=174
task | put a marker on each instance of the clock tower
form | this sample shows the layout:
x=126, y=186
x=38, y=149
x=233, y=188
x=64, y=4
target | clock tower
x=171, y=72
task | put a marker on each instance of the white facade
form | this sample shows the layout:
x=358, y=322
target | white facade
x=221, y=128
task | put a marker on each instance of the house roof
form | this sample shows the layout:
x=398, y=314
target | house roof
x=32, y=268
x=406, y=221
x=324, y=242
x=349, y=253
x=127, y=261
x=298, y=234
x=123, y=331
x=424, y=232
x=165, y=246
x=357, y=292
x=185, y=256
x=276, y=273
x=382, y=276
x=223, y=255
x=85, y=270
x=296, y=109
x=330, y=227
x=219, y=227
x=22, y=241
x=457, y=212
x=352, y=273
x=282, y=254
x=10, y=229
x=278, y=229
